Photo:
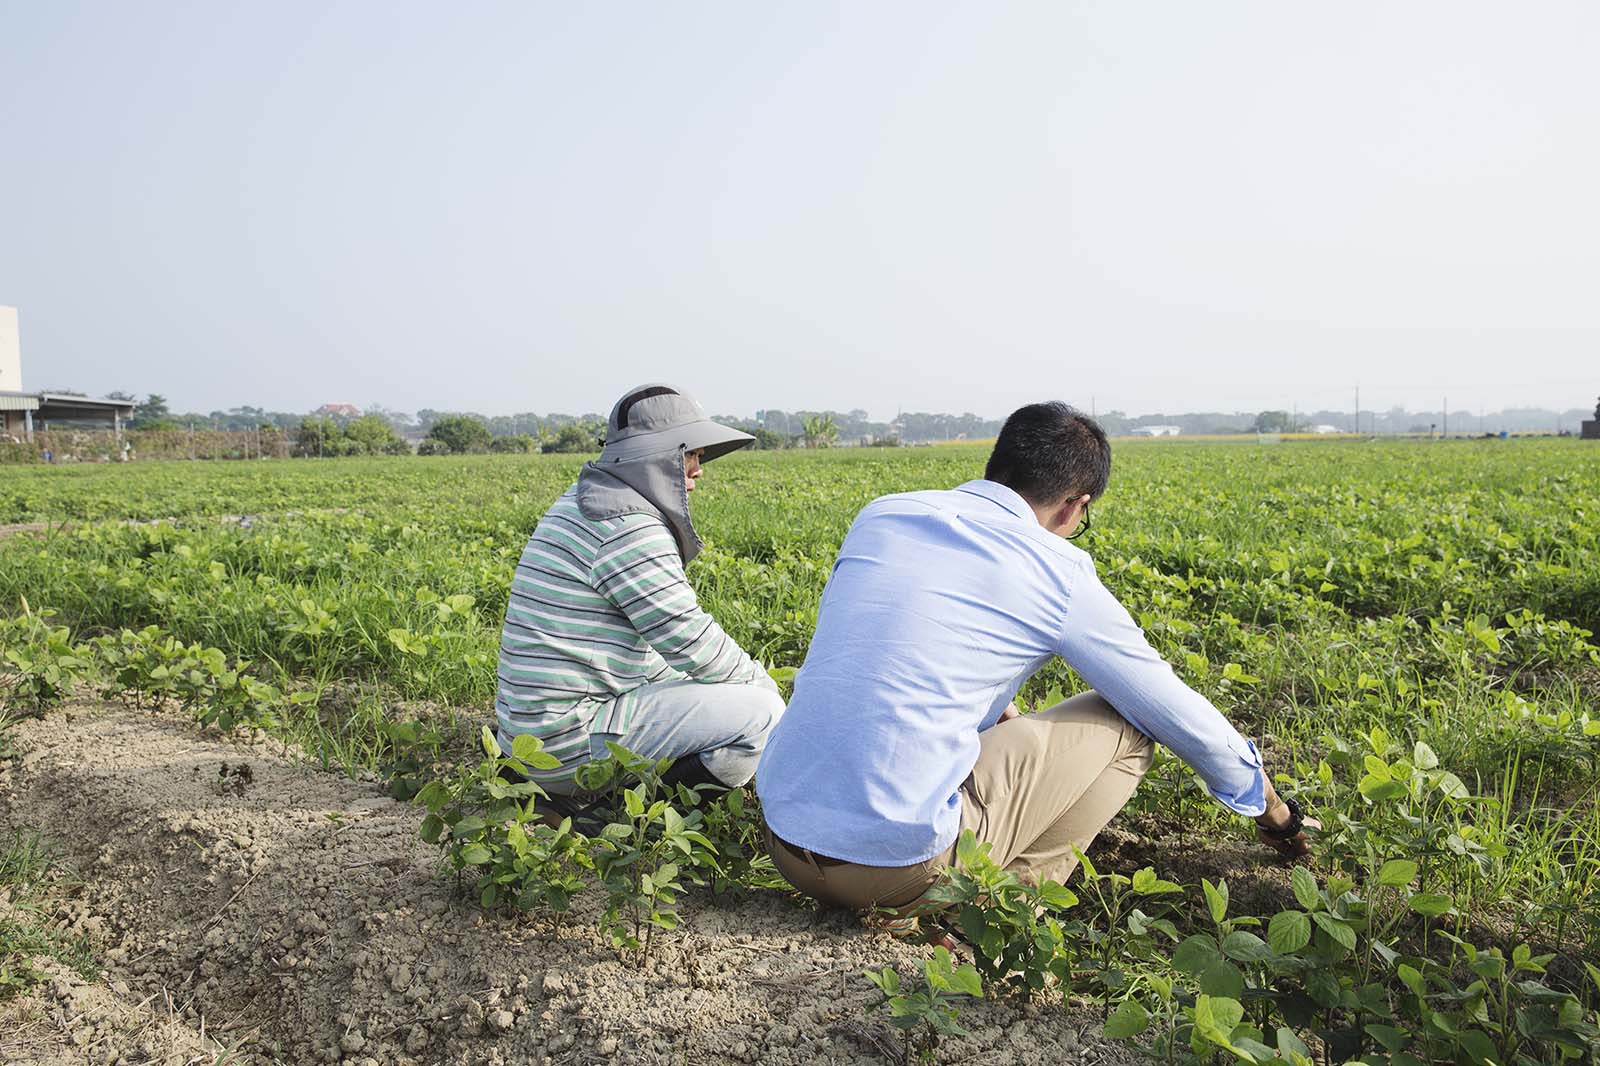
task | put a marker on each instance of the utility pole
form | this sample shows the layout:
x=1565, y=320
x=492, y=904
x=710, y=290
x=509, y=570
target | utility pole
x=1358, y=410
x=1447, y=416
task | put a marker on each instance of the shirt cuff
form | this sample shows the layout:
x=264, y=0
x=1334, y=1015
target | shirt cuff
x=1246, y=798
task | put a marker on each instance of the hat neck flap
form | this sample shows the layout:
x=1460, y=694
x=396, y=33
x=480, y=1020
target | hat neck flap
x=653, y=485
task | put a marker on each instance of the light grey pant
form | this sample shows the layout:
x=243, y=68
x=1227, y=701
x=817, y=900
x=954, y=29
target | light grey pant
x=726, y=725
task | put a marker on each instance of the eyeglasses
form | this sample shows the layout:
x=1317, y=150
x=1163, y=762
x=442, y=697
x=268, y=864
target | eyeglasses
x=1081, y=530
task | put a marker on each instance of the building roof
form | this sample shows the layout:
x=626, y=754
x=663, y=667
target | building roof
x=59, y=405
x=18, y=401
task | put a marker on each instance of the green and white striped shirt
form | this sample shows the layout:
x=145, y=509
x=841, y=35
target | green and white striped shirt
x=597, y=610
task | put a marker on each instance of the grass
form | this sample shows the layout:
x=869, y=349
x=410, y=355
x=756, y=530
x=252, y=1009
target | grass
x=31, y=883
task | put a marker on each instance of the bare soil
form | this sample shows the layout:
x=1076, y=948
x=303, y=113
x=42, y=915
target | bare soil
x=248, y=908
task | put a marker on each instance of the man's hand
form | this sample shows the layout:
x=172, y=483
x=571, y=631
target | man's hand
x=1009, y=713
x=1278, y=816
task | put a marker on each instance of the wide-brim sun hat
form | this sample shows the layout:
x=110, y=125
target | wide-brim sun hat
x=655, y=420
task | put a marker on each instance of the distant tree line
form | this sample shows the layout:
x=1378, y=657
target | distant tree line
x=377, y=430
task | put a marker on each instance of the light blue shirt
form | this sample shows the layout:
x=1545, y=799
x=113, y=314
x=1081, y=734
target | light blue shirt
x=940, y=606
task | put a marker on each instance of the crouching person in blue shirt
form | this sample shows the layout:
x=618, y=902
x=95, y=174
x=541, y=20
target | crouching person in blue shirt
x=901, y=731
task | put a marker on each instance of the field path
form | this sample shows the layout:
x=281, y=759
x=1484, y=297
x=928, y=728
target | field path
x=239, y=898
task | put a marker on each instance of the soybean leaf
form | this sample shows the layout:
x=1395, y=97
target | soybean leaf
x=1146, y=883
x=1246, y=947
x=1195, y=954
x=1397, y=873
x=1430, y=905
x=1391, y=1038
x=528, y=749
x=1222, y=978
x=1216, y=899
x=1305, y=888
x=1288, y=931
x=1336, y=928
x=1128, y=1020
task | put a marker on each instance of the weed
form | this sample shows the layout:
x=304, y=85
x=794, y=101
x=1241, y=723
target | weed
x=928, y=1012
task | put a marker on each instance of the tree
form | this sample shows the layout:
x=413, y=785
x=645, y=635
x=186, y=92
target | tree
x=376, y=436
x=462, y=433
x=820, y=431
x=1272, y=422
x=153, y=413
x=515, y=443
x=767, y=440
x=575, y=437
x=319, y=438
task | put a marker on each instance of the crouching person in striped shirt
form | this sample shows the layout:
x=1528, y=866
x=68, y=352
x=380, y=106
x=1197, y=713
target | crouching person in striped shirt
x=604, y=639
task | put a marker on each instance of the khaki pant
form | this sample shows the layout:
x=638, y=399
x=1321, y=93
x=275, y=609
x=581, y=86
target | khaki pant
x=1043, y=784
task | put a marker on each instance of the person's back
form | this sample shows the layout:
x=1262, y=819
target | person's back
x=916, y=651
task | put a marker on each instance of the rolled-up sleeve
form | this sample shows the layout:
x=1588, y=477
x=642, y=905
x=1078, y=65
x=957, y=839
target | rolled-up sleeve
x=1101, y=641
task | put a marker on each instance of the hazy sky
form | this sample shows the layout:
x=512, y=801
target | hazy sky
x=935, y=206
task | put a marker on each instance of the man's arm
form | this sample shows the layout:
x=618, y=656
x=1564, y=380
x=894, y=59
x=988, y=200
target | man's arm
x=640, y=571
x=1101, y=641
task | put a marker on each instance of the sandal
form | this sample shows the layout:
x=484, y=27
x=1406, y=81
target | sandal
x=910, y=928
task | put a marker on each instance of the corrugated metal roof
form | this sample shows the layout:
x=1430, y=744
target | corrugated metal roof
x=18, y=401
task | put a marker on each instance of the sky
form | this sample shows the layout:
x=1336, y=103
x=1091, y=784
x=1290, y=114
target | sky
x=889, y=205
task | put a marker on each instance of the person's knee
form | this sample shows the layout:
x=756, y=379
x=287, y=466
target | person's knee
x=1137, y=750
x=766, y=708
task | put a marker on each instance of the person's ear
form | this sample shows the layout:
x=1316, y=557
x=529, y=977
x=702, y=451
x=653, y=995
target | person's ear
x=1063, y=513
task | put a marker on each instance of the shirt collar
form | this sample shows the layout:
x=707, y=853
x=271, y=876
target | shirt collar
x=997, y=493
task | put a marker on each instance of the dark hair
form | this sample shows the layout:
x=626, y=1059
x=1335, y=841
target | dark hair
x=1049, y=451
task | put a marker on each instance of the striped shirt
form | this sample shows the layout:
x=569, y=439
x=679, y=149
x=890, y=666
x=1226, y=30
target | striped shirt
x=597, y=610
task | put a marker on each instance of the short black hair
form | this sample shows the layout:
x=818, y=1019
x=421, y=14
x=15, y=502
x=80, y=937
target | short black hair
x=1047, y=452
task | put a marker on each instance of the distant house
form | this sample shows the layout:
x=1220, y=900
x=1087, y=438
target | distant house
x=1157, y=431
x=339, y=410
x=1326, y=429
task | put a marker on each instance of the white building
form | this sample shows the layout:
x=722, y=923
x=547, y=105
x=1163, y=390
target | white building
x=10, y=351
x=1157, y=431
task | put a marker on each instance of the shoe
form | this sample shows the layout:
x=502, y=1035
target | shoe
x=587, y=817
x=690, y=771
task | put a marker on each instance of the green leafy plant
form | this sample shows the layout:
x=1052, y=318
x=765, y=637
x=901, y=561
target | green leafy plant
x=410, y=755
x=489, y=828
x=1122, y=930
x=1015, y=929
x=928, y=1012
x=731, y=821
x=644, y=855
x=38, y=663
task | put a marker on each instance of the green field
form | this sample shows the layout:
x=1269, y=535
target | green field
x=1405, y=626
